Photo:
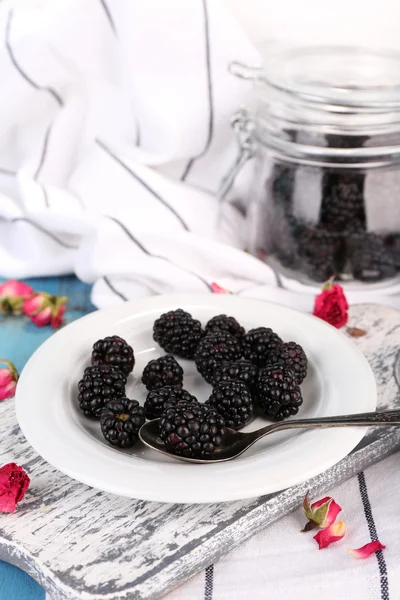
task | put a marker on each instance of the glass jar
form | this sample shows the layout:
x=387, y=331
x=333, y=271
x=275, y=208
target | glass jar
x=325, y=129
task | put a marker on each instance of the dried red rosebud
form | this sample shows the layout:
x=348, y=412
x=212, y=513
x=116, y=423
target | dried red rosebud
x=13, y=484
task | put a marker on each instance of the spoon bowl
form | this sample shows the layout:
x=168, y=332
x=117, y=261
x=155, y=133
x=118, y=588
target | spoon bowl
x=234, y=443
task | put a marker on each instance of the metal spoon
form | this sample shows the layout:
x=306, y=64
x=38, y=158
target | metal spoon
x=234, y=443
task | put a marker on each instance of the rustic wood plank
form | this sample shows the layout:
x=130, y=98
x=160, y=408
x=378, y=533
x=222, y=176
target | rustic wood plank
x=83, y=544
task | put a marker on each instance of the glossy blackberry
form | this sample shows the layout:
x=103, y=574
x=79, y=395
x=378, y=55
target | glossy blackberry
x=240, y=370
x=371, y=260
x=321, y=252
x=158, y=400
x=342, y=201
x=214, y=349
x=192, y=430
x=120, y=422
x=278, y=395
x=161, y=372
x=392, y=245
x=100, y=384
x=232, y=400
x=293, y=356
x=261, y=345
x=225, y=324
x=114, y=351
x=178, y=333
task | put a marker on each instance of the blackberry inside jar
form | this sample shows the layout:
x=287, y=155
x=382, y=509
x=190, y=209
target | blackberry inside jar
x=327, y=199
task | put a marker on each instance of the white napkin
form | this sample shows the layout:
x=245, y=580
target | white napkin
x=114, y=138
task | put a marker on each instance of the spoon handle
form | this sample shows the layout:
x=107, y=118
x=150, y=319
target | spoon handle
x=389, y=418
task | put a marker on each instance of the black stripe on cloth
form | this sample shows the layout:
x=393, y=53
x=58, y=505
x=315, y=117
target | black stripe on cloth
x=108, y=15
x=7, y=172
x=40, y=228
x=113, y=289
x=210, y=125
x=278, y=279
x=143, y=249
x=45, y=196
x=43, y=155
x=138, y=134
x=20, y=70
x=374, y=536
x=209, y=583
x=130, y=235
x=143, y=183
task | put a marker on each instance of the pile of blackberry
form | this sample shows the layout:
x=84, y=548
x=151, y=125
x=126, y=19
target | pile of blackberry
x=250, y=372
x=338, y=242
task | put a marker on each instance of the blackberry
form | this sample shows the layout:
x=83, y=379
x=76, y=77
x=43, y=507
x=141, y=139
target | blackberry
x=240, y=370
x=278, y=395
x=120, y=422
x=261, y=345
x=225, y=324
x=392, y=244
x=293, y=356
x=321, y=253
x=100, y=384
x=114, y=351
x=192, y=430
x=342, y=201
x=158, y=400
x=214, y=349
x=178, y=333
x=232, y=400
x=371, y=260
x=161, y=372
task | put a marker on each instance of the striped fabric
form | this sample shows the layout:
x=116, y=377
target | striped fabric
x=284, y=564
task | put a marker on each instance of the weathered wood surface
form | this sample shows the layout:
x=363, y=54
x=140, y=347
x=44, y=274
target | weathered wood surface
x=83, y=544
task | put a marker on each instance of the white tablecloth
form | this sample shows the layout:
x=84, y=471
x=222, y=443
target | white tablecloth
x=284, y=564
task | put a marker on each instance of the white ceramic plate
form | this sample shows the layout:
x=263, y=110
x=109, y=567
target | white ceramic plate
x=339, y=381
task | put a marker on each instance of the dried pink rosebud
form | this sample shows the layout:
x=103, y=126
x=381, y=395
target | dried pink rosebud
x=321, y=513
x=331, y=305
x=12, y=296
x=45, y=309
x=8, y=380
x=367, y=550
x=217, y=289
x=13, y=484
x=331, y=534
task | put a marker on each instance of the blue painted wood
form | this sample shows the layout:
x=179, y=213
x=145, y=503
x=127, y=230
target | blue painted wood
x=19, y=338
